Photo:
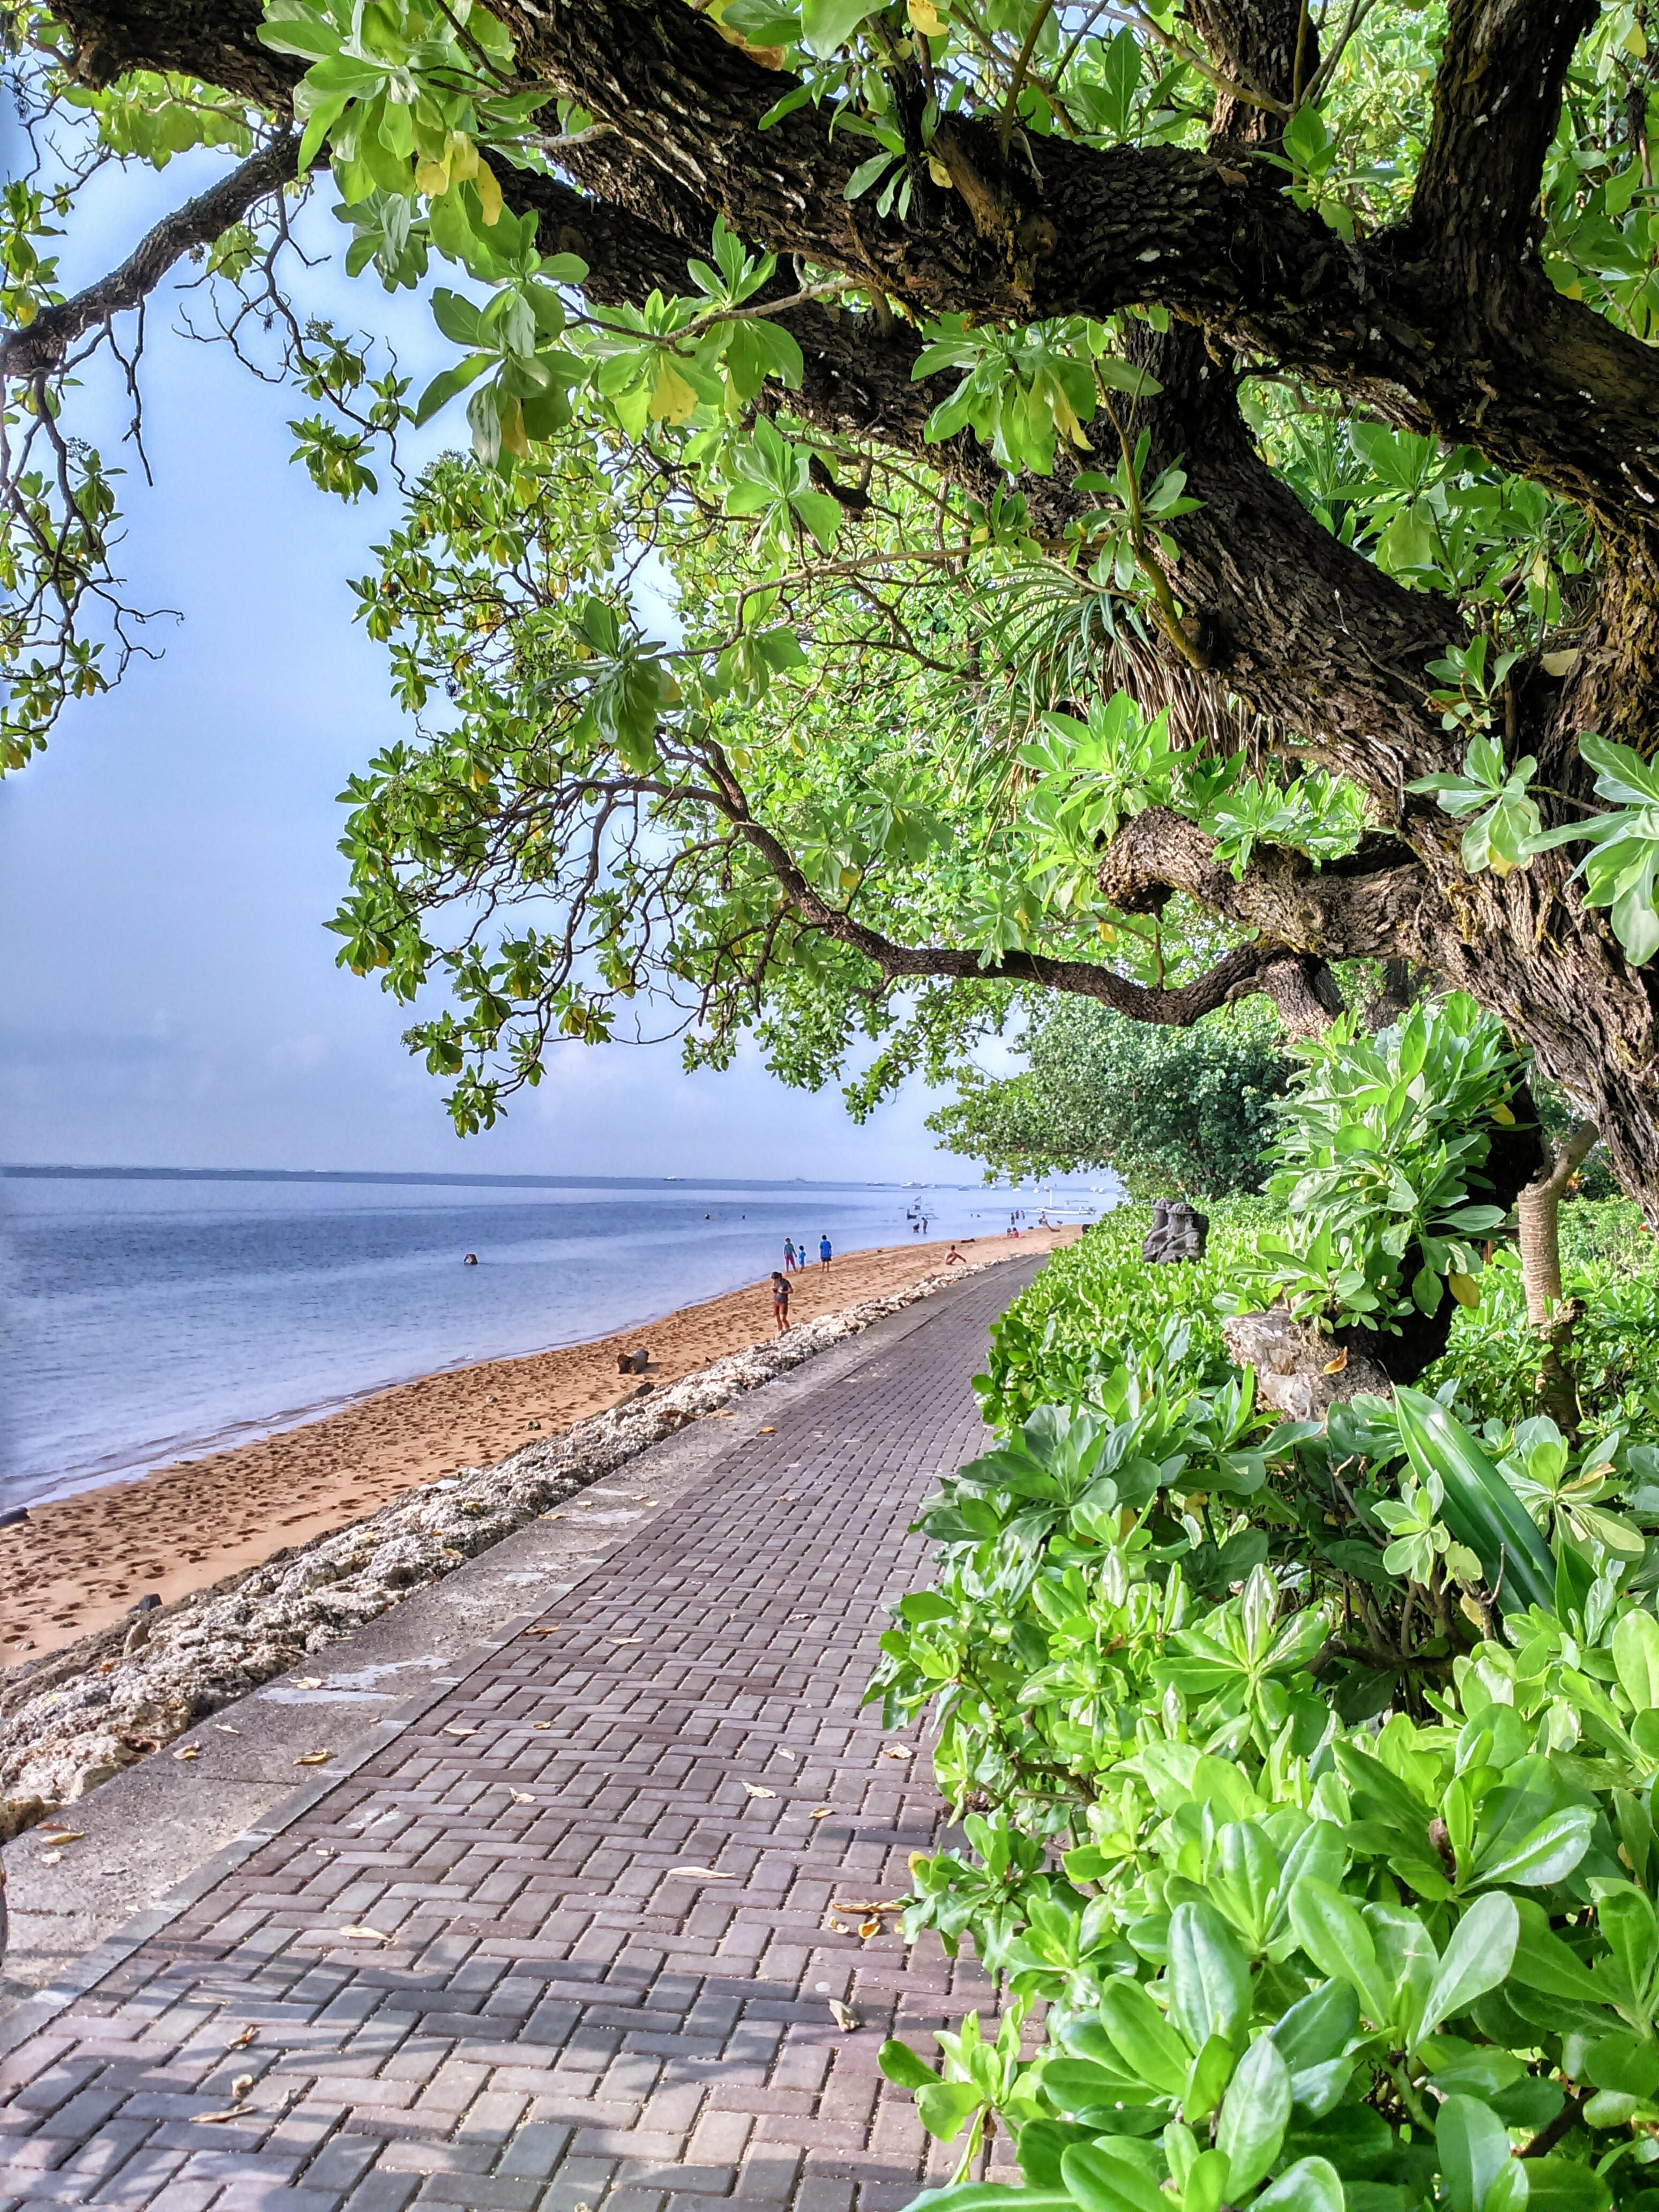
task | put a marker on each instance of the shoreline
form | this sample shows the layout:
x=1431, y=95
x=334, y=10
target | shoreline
x=82, y=1561
x=74, y=1718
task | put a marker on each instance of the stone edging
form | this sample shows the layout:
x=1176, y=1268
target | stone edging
x=73, y=1719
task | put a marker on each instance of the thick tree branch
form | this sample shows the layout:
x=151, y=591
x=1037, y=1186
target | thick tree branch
x=215, y=40
x=1055, y=229
x=1497, y=100
x=1176, y=1008
x=1370, y=906
x=38, y=348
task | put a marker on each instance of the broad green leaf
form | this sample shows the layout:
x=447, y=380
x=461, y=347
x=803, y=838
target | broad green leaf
x=1477, y=1959
x=827, y=24
x=1635, y=1648
x=1312, y=2184
x=1209, y=1977
x=1253, y=2114
x=1474, y=2150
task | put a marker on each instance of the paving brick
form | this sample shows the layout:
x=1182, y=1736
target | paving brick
x=564, y=2021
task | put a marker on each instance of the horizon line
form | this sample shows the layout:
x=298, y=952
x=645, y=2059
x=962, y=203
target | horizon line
x=51, y=1170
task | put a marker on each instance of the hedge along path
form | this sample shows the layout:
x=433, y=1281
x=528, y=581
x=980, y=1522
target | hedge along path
x=572, y=1939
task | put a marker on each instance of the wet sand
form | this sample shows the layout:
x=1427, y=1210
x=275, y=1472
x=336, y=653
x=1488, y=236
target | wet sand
x=79, y=1563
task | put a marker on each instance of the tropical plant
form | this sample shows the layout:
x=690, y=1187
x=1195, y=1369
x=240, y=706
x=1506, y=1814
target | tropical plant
x=1382, y=1150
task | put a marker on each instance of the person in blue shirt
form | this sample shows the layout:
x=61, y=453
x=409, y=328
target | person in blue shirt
x=823, y=1251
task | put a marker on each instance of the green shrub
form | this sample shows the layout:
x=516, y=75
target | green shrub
x=1306, y=1773
x=1287, y=1962
x=1096, y=1305
x=1379, y=1159
x=1611, y=1264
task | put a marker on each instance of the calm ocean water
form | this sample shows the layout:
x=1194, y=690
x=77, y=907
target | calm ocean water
x=145, y=1320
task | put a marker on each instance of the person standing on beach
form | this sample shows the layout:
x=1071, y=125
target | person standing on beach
x=788, y=1257
x=823, y=1251
x=780, y=1301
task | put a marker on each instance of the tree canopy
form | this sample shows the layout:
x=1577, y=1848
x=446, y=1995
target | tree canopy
x=1181, y=1110
x=1156, y=500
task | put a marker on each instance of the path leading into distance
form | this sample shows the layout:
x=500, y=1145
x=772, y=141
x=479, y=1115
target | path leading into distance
x=541, y=2010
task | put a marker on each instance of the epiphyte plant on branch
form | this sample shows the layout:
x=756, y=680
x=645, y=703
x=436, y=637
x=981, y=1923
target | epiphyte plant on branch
x=1290, y=369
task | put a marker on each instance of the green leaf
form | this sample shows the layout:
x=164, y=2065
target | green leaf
x=1100, y=2181
x=827, y=24
x=1340, y=1944
x=1209, y=1977
x=1545, y=1854
x=1479, y=1507
x=944, y=2108
x=1474, y=2150
x=902, y=2065
x=1253, y=2114
x=1635, y=1648
x=1143, y=2039
x=1312, y=2184
x=1477, y=1959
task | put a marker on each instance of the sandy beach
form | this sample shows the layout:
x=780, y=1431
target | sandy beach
x=79, y=1563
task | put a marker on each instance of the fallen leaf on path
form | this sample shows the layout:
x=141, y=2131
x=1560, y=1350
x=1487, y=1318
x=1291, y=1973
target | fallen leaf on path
x=520, y=1796
x=1335, y=1366
x=553, y=1631
x=820, y=1812
x=703, y=1874
x=224, y=1728
x=241, y=2042
x=755, y=1790
x=869, y=1928
x=309, y=1682
x=785, y=1753
x=454, y=1728
x=240, y=2086
x=867, y=1904
x=839, y=1927
x=313, y=1758
x=767, y=1432
x=368, y=1935
x=50, y=1858
x=541, y=1724
x=897, y=1751
x=624, y=1640
x=65, y=1836
x=217, y=2119
x=845, y=2019
x=189, y=1751
x=787, y=1499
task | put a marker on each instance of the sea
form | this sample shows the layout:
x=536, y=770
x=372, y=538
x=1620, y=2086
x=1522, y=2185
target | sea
x=150, y=1316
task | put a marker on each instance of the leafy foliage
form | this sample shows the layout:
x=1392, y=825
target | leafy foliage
x=1292, y=1955
x=1382, y=1142
x=1165, y=1110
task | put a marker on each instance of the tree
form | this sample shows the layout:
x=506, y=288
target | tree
x=1168, y=1110
x=1289, y=375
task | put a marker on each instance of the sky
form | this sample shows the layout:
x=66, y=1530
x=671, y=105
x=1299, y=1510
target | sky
x=170, y=997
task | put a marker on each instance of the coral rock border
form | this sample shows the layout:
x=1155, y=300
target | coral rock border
x=75, y=1717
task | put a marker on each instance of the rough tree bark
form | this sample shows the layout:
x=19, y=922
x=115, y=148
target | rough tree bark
x=1538, y=1224
x=1445, y=324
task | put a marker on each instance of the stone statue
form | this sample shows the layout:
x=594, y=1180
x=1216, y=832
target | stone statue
x=1178, y=1231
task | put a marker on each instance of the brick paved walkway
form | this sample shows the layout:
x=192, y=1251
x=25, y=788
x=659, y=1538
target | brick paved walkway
x=559, y=2017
